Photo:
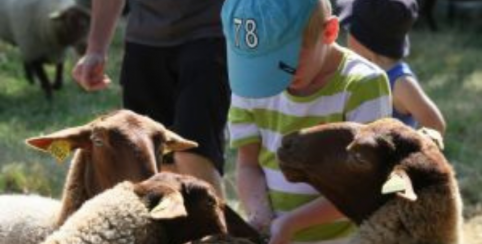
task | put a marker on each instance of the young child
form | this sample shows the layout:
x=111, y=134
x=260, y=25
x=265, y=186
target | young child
x=378, y=30
x=287, y=72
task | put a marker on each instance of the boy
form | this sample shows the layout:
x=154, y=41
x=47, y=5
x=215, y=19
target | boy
x=287, y=73
x=378, y=30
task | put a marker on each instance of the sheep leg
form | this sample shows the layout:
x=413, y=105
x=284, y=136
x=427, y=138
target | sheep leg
x=58, y=76
x=42, y=76
x=29, y=72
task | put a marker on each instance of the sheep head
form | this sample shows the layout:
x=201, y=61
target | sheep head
x=192, y=211
x=71, y=25
x=119, y=146
x=351, y=163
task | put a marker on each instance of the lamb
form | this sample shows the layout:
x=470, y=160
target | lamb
x=388, y=178
x=166, y=208
x=43, y=30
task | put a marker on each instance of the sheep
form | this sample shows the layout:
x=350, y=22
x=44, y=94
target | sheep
x=35, y=210
x=166, y=208
x=43, y=30
x=391, y=180
x=115, y=147
x=119, y=146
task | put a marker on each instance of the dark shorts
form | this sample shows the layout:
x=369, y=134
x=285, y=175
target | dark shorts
x=184, y=87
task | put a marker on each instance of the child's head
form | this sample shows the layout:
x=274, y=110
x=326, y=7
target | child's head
x=379, y=26
x=265, y=38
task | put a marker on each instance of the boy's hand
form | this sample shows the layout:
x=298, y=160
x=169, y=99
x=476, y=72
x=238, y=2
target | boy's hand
x=281, y=230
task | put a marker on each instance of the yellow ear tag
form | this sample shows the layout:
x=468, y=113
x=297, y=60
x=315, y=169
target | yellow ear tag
x=396, y=183
x=60, y=149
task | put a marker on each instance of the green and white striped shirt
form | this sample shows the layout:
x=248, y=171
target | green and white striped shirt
x=359, y=91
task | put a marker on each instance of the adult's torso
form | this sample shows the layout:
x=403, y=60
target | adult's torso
x=172, y=22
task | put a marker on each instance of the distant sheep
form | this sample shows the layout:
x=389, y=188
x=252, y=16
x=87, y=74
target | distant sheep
x=165, y=209
x=43, y=30
x=390, y=179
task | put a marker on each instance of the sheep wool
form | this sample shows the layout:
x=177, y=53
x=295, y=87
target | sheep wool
x=26, y=219
x=115, y=216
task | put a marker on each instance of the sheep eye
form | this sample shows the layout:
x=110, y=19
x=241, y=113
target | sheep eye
x=97, y=142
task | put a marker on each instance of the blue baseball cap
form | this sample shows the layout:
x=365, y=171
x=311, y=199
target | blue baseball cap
x=264, y=39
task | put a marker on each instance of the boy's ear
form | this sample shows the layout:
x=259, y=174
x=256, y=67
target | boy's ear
x=331, y=30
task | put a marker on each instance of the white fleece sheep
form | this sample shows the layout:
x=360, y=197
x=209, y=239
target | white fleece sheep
x=43, y=30
x=26, y=219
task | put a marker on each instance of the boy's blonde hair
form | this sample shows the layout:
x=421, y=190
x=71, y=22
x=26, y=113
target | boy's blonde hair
x=316, y=23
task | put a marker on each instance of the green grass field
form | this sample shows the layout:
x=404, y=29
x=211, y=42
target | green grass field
x=448, y=64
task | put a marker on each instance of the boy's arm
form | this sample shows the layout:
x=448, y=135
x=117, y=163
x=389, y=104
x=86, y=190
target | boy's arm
x=251, y=186
x=318, y=211
x=409, y=97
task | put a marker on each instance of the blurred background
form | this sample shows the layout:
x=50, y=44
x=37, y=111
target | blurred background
x=446, y=55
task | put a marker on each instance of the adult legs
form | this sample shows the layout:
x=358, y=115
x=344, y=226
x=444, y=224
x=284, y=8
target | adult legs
x=201, y=108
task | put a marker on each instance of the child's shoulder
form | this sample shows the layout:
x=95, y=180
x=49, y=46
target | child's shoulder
x=355, y=65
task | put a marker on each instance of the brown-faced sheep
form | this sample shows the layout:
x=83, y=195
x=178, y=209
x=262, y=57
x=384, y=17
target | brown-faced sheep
x=390, y=179
x=116, y=147
x=43, y=30
x=166, y=208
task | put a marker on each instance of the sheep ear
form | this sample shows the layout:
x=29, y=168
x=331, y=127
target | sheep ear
x=170, y=206
x=400, y=183
x=433, y=135
x=387, y=141
x=175, y=142
x=59, y=144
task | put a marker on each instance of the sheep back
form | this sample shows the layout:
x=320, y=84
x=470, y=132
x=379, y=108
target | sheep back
x=430, y=219
x=115, y=216
x=26, y=219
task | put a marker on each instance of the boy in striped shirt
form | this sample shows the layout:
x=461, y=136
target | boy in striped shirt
x=287, y=73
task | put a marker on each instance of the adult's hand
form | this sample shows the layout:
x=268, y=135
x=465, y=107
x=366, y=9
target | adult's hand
x=89, y=72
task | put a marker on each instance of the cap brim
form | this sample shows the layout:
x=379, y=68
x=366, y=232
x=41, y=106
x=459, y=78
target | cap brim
x=263, y=75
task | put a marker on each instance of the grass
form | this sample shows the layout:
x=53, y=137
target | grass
x=447, y=63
